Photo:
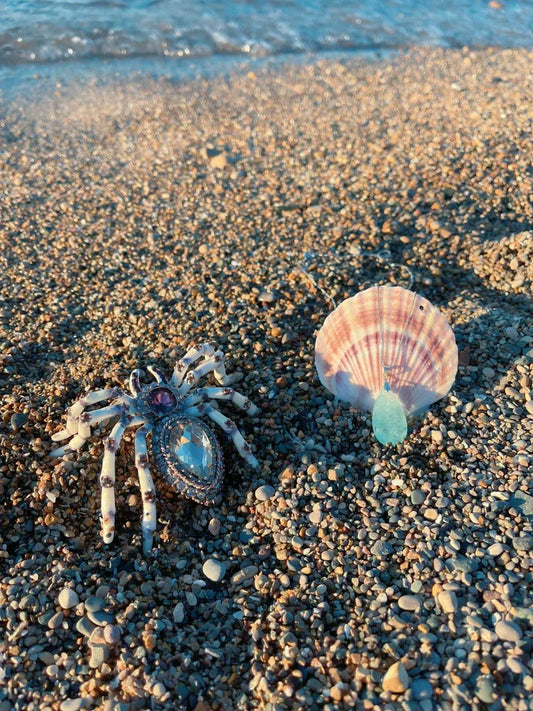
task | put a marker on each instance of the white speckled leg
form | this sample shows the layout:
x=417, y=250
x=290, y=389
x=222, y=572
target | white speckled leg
x=146, y=483
x=214, y=364
x=192, y=355
x=83, y=427
x=78, y=407
x=229, y=427
x=205, y=394
x=107, y=480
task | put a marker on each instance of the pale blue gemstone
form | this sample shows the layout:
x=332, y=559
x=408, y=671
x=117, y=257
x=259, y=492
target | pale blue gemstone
x=388, y=418
x=192, y=449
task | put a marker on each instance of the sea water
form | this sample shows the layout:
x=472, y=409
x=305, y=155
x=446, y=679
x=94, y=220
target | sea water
x=44, y=37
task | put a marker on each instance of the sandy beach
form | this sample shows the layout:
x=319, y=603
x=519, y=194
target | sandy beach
x=141, y=216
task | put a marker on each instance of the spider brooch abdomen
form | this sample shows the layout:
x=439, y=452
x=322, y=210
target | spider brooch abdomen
x=184, y=448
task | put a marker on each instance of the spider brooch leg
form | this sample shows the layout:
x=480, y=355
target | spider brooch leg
x=229, y=427
x=146, y=484
x=79, y=421
x=107, y=480
x=212, y=363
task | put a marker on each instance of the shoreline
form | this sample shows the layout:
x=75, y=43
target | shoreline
x=38, y=79
x=141, y=216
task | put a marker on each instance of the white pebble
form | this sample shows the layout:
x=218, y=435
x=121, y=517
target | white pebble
x=508, y=631
x=264, y=493
x=447, y=601
x=409, y=602
x=68, y=598
x=214, y=570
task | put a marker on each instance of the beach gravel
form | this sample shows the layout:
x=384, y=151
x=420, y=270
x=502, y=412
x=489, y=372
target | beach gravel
x=140, y=215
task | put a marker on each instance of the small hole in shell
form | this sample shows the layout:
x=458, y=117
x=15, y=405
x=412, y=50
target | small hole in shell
x=421, y=307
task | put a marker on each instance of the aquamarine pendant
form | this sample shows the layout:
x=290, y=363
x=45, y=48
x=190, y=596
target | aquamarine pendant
x=388, y=417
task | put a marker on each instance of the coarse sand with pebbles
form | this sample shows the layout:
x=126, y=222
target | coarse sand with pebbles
x=138, y=217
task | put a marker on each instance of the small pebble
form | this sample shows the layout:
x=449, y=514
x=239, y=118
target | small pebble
x=214, y=526
x=84, y=626
x=418, y=497
x=523, y=543
x=447, y=601
x=18, y=419
x=315, y=516
x=485, y=689
x=381, y=548
x=68, y=598
x=214, y=570
x=508, y=631
x=94, y=604
x=100, y=618
x=396, y=679
x=264, y=493
x=421, y=689
x=72, y=704
x=178, y=613
x=159, y=689
x=99, y=654
x=56, y=621
x=409, y=603
x=112, y=634
x=495, y=549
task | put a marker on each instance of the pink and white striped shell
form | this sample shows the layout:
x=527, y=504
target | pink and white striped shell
x=386, y=333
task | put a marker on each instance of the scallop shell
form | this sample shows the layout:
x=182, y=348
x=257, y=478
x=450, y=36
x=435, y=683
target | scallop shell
x=386, y=334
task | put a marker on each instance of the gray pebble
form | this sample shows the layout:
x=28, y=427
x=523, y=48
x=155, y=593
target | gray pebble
x=214, y=570
x=465, y=565
x=99, y=654
x=84, y=626
x=100, y=618
x=409, y=603
x=97, y=637
x=266, y=297
x=18, y=419
x=418, y=497
x=523, y=543
x=55, y=621
x=381, y=548
x=421, y=689
x=315, y=516
x=178, y=613
x=485, y=689
x=94, y=604
x=515, y=665
x=112, y=634
x=263, y=493
x=508, y=631
x=68, y=598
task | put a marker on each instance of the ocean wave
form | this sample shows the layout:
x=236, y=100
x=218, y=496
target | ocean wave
x=45, y=31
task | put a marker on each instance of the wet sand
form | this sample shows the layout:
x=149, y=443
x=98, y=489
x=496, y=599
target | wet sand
x=139, y=217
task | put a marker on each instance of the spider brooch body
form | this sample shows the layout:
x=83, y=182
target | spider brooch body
x=184, y=449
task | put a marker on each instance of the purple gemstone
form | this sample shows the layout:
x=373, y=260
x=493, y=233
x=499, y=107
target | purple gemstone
x=162, y=400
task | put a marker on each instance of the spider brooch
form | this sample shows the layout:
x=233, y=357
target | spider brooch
x=184, y=449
